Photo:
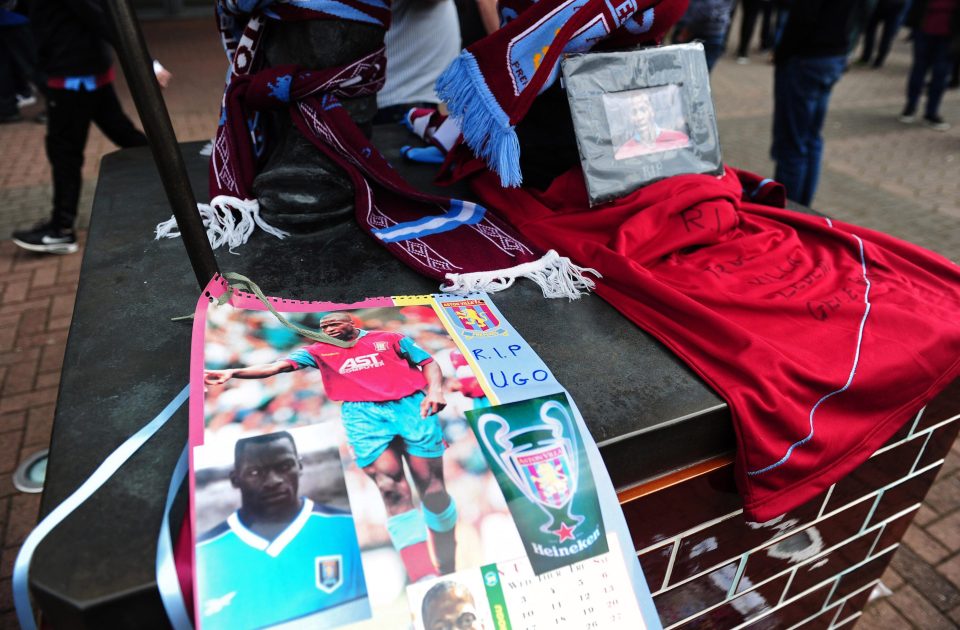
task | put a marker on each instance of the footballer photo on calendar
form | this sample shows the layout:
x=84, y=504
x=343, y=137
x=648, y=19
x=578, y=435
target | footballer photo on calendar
x=276, y=540
x=389, y=388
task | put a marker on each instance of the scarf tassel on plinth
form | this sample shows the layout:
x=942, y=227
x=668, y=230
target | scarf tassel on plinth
x=229, y=221
x=556, y=276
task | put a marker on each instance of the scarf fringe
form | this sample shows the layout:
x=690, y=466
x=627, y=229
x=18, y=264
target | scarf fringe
x=556, y=276
x=485, y=126
x=220, y=217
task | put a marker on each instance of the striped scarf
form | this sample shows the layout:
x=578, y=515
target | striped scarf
x=446, y=239
x=490, y=87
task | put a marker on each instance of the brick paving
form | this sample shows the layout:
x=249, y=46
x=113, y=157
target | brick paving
x=877, y=172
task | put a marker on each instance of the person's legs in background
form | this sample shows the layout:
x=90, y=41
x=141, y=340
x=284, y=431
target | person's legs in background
x=712, y=49
x=748, y=20
x=939, y=51
x=68, y=124
x=870, y=34
x=768, y=27
x=9, y=112
x=802, y=89
x=891, y=19
x=919, y=66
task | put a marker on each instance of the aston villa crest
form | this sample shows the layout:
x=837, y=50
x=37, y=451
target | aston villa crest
x=329, y=572
x=538, y=458
x=475, y=318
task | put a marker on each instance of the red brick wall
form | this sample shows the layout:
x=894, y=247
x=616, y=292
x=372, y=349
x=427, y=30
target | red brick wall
x=814, y=566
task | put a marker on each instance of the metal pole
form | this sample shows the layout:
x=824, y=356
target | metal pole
x=138, y=69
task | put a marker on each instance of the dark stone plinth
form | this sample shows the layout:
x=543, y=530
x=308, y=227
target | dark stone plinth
x=125, y=360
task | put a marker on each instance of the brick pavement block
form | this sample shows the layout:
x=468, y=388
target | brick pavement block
x=920, y=575
x=947, y=530
x=915, y=607
x=7, y=558
x=891, y=579
x=6, y=595
x=39, y=428
x=59, y=323
x=74, y=262
x=51, y=291
x=950, y=569
x=23, y=307
x=20, y=378
x=10, y=450
x=24, y=509
x=62, y=305
x=45, y=276
x=6, y=487
x=880, y=615
x=12, y=421
x=4, y=514
x=52, y=359
x=45, y=338
x=19, y=356
x=8, y=336
x=924, y=545
x=49, y=379
x=944, y=496
x=19, y=402
x=30, y=261
x=32, y=322
x=15, y=291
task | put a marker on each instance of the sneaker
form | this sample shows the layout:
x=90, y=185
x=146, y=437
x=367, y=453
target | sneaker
x=26, y=100
x=908, y=116
x=742, y=61
x=10, y=118
x=935, y=122
x=47, y=239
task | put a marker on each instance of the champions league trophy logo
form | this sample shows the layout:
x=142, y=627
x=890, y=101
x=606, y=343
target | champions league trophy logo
x=540, y=464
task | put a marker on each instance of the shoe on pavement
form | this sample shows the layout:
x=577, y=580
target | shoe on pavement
x=26, y=99
x=10, y=118
x=742, y=61
x=908, y=116
x=935, y=122
x=47, y=239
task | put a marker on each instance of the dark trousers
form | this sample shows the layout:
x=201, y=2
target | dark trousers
x=887, y=15
x=69, y=114
x=751, y=10
x=931, y=53
x=18, y=65
x=801, y=89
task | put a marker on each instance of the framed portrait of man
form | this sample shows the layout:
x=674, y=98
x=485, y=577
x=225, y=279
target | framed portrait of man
x=641, y=116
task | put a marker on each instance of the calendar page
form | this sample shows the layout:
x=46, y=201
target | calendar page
x=364, y=465
x=591, y=594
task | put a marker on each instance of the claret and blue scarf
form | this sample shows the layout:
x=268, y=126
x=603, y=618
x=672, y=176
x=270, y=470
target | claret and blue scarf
x=412, y=225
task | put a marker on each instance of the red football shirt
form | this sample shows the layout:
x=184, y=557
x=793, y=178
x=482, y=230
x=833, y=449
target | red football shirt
x=823, y=337
x=381, y=366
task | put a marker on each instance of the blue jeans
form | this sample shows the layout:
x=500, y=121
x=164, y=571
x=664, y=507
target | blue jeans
x=801, y=94
x=712, y=49
x=931, y=53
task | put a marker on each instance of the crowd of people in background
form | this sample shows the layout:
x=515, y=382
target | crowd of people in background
x=58, y=50
x=810, y=44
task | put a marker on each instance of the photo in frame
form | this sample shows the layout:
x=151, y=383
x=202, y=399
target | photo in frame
x=641, y=116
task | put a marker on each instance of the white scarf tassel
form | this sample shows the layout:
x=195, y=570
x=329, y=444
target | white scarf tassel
x=556, y=276
x=222, y=227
